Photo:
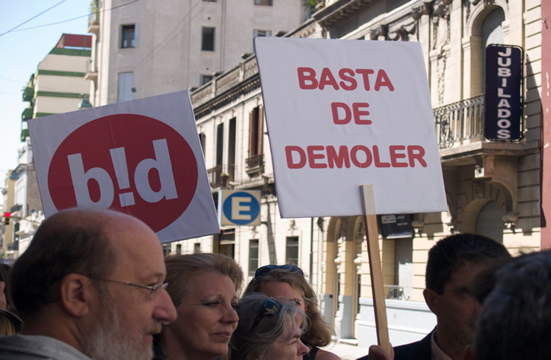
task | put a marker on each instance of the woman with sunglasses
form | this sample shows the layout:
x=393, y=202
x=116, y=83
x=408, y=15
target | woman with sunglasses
x=204, y=289
x=288, y=282
x=268, y=330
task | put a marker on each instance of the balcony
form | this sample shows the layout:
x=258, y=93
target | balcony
x=91, y=71
x=460, y=135
x=459, y=122
x=28, y=93
x=24, y=134
x=220, y=175
x=93, y=23
x=255, y=165
x=27, y=114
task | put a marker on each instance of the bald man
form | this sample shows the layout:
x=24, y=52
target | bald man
x=90, y=285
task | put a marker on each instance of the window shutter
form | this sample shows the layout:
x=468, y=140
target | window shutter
x=136, y=35
x=260, y=128
x=251, y=135
x=119, y=38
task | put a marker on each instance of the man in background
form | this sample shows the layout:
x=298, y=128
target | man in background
x=453, y=263
x=90, y=285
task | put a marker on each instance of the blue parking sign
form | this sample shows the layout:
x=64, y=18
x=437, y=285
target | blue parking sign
x=239, y=207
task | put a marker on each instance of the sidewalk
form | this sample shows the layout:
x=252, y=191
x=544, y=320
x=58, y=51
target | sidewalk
x=346, y=351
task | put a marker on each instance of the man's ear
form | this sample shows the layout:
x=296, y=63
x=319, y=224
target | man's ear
x=75, y=294
x=432, y=299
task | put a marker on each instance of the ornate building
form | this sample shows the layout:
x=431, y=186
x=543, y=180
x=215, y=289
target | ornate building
x=493, y=187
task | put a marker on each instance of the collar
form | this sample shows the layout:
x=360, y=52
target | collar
x=436, y=352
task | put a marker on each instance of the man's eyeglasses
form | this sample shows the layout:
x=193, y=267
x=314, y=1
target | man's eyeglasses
x=263, y=271
x=152, y=288
x=270, y=307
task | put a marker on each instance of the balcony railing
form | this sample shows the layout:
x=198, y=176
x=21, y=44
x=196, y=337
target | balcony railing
x=463, y=120
x=24, y=134
x=93, y=22
x=220, y=175
x=255, y=161
x=27, y=114
x=28, y=93
x=91, y=71
x=254, y=165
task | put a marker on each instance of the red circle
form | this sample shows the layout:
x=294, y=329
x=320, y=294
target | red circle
x=134, y=133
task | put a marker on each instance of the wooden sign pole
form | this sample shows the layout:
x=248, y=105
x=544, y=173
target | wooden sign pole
x=376, y=270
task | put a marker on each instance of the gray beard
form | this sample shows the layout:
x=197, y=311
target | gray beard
x=107, y=340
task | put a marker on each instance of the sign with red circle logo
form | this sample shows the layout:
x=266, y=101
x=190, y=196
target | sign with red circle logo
x=117, y=172
x=143, y=163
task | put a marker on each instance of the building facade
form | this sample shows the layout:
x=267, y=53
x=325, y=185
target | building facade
x=147, y=48
x=493, y=187
x=7, y=229
x=58, y=86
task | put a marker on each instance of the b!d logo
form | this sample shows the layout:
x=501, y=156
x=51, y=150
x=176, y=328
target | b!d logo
x=131, y=163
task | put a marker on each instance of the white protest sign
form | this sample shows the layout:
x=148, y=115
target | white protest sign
x=140, y=157
x=343, y=113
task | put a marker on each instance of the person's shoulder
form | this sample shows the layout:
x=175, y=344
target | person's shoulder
x=326, y=355
x=419, y=350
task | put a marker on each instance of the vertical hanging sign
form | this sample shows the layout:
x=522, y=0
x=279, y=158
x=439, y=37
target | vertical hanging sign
x=503, y=93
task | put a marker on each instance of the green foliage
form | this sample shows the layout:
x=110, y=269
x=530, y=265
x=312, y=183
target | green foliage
x=93, y=6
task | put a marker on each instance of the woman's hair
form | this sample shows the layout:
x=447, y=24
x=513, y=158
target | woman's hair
x=180, y=269
x=4, y=271
x=319, y=333
x=10, y=324
x=260, y=326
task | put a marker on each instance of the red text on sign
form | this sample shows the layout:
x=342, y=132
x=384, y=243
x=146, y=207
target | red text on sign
x=349, y=79
x=360, y=156
x=342, y=114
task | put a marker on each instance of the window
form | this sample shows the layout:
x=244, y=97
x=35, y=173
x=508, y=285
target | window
x=262, y=33
x=227, y=243
x=205, y=79
x=263, y=2
x=207, y=43
x=203, y=141
x=231, y=149
x=219, y=144
x=166, y=250
x=197, y=248
x=179, y=249
x=492, y=33
x=291, y=253
x=255, y=131
x=126, y=87
x=253, y=256
x=128, y=36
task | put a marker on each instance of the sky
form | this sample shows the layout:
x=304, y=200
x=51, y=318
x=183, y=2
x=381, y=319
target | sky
x=21, y=51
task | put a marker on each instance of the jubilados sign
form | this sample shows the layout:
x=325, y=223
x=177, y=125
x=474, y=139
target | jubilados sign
x=503, y=92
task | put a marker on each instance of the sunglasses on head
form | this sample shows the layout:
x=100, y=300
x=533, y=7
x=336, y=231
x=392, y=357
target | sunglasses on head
x=263, y=271
x=270, y=307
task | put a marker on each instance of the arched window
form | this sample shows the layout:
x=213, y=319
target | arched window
x=492, y=33
x=489, y=221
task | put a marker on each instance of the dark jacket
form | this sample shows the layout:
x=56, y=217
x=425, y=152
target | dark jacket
x=420, y=350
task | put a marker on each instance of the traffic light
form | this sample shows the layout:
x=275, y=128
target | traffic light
x=7, y=216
